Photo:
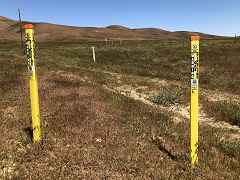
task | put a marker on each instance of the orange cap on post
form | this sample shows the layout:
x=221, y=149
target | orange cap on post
x=29, y=26
x=192, y=38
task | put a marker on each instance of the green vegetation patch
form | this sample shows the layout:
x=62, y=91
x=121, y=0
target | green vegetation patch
x=230, y=148
x=169, y=96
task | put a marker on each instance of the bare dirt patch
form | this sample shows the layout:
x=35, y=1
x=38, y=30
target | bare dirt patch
x=182, y=112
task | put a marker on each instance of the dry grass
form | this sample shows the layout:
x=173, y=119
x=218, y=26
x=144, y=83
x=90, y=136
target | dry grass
x=92, y=132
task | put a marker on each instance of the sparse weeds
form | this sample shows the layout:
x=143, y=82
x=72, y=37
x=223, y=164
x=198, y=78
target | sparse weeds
x=230, y=148
x=11, y=75
x=215, y=78
x=211, y=77
x=132, y=162
x=66, y=83
x=174, y=59
x=221, y=68
x=228, y=110
x=225, y=110
x=148, y=127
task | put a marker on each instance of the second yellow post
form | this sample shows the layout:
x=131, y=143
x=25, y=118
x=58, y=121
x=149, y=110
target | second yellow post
x=194, y=99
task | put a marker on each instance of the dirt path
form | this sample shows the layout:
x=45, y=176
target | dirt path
x=144, y=94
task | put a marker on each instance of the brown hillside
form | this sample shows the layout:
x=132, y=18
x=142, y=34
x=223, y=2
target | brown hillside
x=155, y=32
x=46, y=32
x=5, y=23
x=5, y=33
x=117, y=27
x=186, y=34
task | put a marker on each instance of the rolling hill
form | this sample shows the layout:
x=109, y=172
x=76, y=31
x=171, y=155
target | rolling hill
x=47, y=32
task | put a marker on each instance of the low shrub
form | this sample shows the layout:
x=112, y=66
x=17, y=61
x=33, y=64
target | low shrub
x=167, y=97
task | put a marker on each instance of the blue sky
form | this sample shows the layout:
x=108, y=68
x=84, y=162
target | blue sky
x=219, y=17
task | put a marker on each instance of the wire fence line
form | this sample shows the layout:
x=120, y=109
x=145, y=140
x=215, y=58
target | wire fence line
x=180, y=42
x=177, y=42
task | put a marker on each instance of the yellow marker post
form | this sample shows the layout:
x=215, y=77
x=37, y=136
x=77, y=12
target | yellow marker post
x=93, y=51
x=194, y=98
x=29, y=30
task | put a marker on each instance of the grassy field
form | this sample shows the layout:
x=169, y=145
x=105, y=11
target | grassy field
x=124, y=117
